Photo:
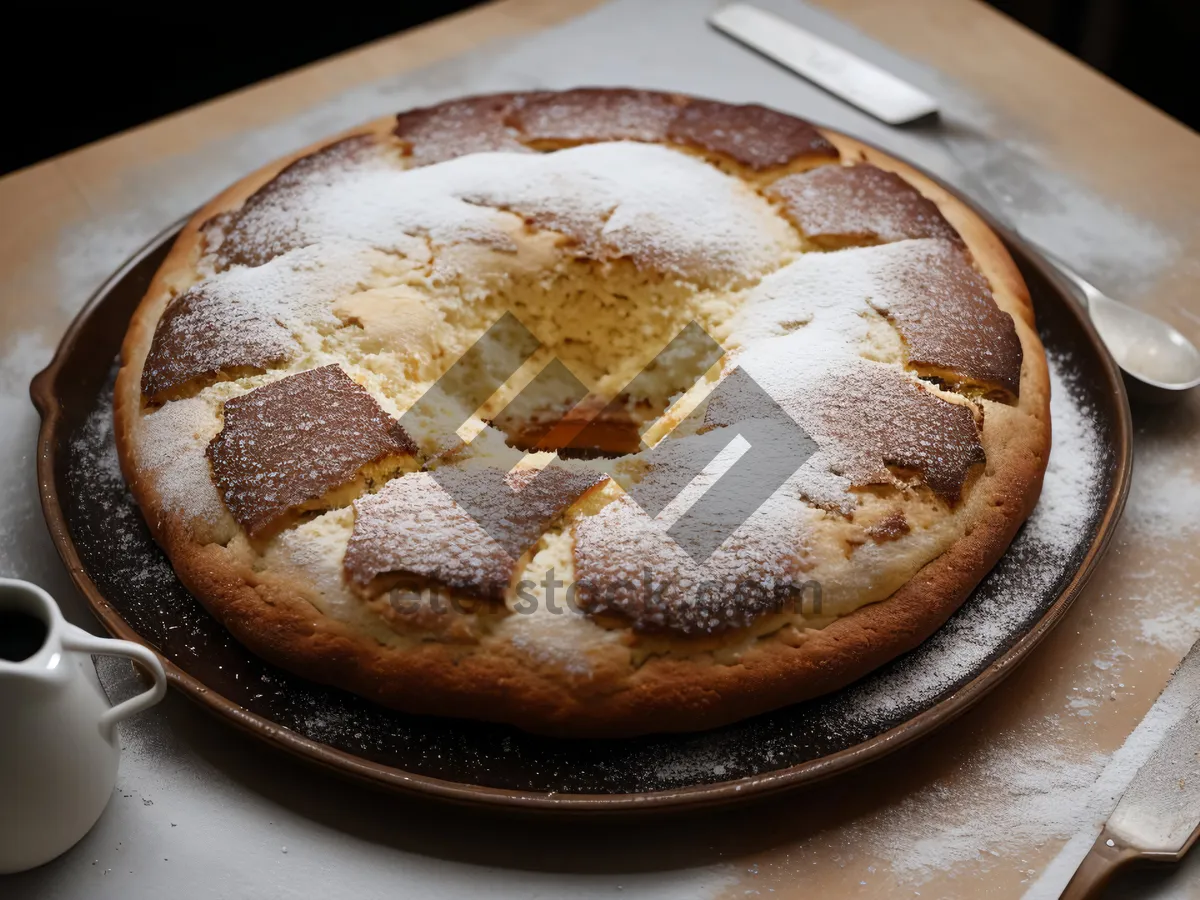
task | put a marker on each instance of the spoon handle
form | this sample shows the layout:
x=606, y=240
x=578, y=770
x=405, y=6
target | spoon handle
x=1084, y=286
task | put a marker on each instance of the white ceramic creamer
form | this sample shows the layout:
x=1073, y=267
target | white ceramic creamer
x=58, y=742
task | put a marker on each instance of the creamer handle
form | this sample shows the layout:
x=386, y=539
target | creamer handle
x=75, y=638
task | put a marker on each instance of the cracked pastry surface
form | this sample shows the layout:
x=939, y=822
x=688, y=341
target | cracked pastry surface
x=342, y=475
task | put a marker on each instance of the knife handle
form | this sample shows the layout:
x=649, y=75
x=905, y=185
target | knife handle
x=1107, y=855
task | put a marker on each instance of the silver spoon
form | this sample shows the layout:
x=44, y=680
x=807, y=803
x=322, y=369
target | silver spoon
x=1161, y=361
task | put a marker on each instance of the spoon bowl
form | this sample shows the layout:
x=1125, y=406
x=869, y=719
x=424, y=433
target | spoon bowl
x=1158, y=362
x=1145, y=346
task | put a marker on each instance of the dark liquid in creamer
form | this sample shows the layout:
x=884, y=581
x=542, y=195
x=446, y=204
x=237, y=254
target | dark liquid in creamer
x=21, y=635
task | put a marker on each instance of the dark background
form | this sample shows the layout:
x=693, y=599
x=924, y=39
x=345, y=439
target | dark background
x=77, y=76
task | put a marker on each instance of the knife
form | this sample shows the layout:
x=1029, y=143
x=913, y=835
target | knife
x=870, y=88
x=1158, y=818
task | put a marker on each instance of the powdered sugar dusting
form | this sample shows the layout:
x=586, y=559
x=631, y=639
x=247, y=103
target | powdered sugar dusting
x=805, y=328
x=458, y=127
x=755, y=571
x=1019, y=784
x=862, y=201
x=1165, y=495
x=1170, y=615
x=116, y=525
x=1162, y=521
x=950, y=322
x=251, y=316
x=414, y=526
x=171, y=451
x=1036, y=561
x=657, y=206
x=1070, y=487
x=464, y=528
x=588, y=114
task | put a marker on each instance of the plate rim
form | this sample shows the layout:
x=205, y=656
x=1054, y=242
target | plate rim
x=45, y=398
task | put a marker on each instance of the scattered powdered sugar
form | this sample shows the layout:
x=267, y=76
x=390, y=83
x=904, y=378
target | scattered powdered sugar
x=1070, y=488
x=115, y=524
x=560, y=641
x=1019, y=800
x=693, y=767
x=1121, y=252
x=585, y=114
x=1163, y=517
x=629, y=565
x=1164, y=499
x=1173, y=616
x=413, y=525
x=1013, y=595
x=1026, y=789
x=23, y=354
x=97, y=443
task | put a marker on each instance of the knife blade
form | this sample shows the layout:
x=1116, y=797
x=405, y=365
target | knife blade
x=1158, y=816
x=1160, y=811
x=865, y=85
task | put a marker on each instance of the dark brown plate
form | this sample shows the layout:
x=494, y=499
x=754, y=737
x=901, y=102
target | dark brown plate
x=131, y=587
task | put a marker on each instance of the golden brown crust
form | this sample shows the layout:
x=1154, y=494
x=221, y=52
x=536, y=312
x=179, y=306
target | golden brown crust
x=858, y=204
x=269, y=613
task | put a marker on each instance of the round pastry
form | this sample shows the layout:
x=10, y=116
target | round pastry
x=597, y=412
